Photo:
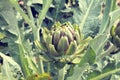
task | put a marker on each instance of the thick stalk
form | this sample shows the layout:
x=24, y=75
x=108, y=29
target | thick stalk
x=61, y=73
x=23, y=63
x=33, y=26
x=46, y=5
x=36, y=37
x=22, y=52
x=106, y=74
x=40, y=64
x=30, y=21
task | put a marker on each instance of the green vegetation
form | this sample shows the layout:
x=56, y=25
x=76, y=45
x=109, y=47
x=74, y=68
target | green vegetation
x=59, y=40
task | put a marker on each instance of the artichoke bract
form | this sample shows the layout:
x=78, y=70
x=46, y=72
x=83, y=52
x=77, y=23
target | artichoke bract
x=63, y=40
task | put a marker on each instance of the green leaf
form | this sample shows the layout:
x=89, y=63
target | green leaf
x=3, y=21
x=77, y=72
x=86, y=15
x=9, y=68
x=114, y=15
x=98, y=43
x=108, y=70
x=37, y=1
x=8, y=14
x=105, y=18
x=89, y=57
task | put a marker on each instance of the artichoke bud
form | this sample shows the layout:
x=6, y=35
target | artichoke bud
x=115, y=33
x=63, y=40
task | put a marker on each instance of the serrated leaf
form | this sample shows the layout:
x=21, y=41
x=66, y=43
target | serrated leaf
x=95, y=43
x=105, y=20
x=9, y=67
x=108, y=70
x=7, y=13
x=88, y=11
x=77, y=72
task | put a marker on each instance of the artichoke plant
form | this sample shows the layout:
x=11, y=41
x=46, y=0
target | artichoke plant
x=63, y=41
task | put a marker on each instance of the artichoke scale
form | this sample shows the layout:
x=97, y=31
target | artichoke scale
x=77, y=36
x=63, y=45
x=40, y=45
x=69, y=35
x=45, y=33
x=72, y=48
x=52, y=50
x=48, y=40
x=56, y=38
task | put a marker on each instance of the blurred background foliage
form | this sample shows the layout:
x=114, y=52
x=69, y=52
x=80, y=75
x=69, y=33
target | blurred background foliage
x=95, y=18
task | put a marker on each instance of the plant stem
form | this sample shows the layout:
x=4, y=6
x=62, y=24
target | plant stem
x=105, y=74
x=36, y=37
x=33, y=26
x=41, y=65
x=24, y=67
x=48, y=68
x=30, y=21
x=61, y=73
x=46, y=5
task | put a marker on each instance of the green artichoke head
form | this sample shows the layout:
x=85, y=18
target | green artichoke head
x=63, y=39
